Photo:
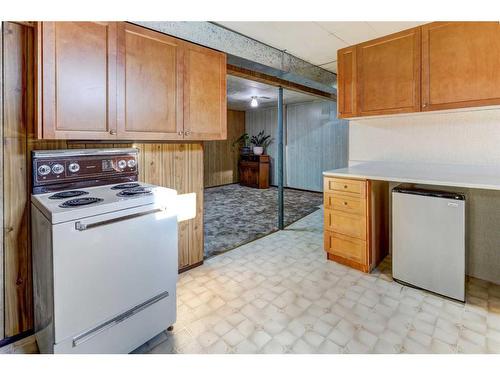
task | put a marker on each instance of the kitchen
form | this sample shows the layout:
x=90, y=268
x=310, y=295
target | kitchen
x=104, y=128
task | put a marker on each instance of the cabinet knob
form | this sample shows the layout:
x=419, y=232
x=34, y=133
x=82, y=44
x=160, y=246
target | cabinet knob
x=179, y=133
x=424, y=105
x=345, y=186
x=187, y=132
x=112, y=132
x=345, y=203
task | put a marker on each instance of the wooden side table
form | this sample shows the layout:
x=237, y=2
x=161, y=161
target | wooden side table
x=254, y=171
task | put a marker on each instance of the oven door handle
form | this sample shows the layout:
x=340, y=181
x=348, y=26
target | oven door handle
x=82, y=226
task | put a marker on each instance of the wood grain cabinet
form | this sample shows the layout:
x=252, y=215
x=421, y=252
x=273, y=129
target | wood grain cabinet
x=356, y=222
x=204, y=94
x=115, y=80
x=440, y=65
x=150, y=91
x=76, y=80
x=460, y=65
x=346, y=68
x=254, y=171
x=388, y=74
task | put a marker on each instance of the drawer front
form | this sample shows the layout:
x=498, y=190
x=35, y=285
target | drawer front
x=345, y=203
x=344, y=223
x=357, y=187
x=346, y=247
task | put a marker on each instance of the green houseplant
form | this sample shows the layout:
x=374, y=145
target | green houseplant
x=260, y=142
x=243, y=142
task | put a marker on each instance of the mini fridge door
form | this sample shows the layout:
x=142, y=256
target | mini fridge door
x=428, y=241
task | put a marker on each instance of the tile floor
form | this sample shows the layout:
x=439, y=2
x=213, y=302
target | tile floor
x=230, y=211
x=280, y=295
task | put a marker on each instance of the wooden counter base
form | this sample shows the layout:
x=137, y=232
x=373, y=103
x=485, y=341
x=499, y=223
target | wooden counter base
x=356, y=222
x=348, y=262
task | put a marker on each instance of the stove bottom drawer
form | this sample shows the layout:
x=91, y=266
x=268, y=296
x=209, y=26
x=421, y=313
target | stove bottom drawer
x=127, y=335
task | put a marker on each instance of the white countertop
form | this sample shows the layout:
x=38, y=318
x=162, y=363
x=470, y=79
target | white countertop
x=456, y=175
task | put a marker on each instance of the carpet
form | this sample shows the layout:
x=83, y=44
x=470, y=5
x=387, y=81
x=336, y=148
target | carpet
x=237, y=214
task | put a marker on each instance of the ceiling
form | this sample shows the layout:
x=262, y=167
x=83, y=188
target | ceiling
x=316, y=42
x=240, y=92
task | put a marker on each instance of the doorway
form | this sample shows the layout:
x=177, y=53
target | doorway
x=314, y=140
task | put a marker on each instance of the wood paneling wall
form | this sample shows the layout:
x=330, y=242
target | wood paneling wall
x=1, y=182
x=220, y=158
x=17, y=265
x=316, y=141
x=179, y=166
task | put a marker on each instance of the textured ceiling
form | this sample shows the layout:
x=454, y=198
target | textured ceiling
x=240, y=92
x=316, y=42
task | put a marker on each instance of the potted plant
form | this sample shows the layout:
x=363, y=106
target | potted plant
x=244, y=142
x=260, y=142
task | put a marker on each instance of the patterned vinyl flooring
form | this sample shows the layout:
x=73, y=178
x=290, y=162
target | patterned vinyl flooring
x=279, y=294
x=236, y=214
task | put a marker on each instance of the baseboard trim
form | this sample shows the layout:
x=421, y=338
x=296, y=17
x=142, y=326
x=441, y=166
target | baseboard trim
x=297, y=189
x=190, y=267
x=23, y=343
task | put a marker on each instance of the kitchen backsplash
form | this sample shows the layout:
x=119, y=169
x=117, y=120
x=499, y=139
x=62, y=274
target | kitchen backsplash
x=466, y=137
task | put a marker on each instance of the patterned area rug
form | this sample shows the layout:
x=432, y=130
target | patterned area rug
x=237, y=214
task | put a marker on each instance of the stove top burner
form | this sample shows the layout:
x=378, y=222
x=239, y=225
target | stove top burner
x=68, y=194
x=126, y=186
x=134, y=192
x=80, y=202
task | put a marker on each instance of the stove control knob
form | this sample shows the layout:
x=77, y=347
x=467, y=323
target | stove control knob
x=57, y=168
x=122, y=164
x=74, y=167
x=131, y=163
x=43, y=170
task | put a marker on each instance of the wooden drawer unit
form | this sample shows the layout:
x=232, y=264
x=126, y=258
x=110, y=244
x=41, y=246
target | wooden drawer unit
x=348, y=224
x=356, y=216
x=357, y=187
x=346, y=247
x=345, y=203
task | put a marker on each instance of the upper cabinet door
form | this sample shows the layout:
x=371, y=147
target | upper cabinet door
x=77, y=89
x=204, y=94
x=460, y=64
x=150, y=102
x=388, y=74
x=346, y=95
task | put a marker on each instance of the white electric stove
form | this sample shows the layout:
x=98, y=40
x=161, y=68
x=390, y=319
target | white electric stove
x=104, y=252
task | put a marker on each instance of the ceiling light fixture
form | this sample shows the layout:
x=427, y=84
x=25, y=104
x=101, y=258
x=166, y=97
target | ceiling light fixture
x=254, y=103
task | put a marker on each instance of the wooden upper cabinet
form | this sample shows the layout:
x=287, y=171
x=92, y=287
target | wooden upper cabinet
x=346, y=67
x=150, y=102
x=76, y=80
x=204, y=94
x=388, y=74
x=460, y=64
x=115, y=80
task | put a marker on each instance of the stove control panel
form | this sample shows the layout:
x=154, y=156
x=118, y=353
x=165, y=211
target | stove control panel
x=74, y=167
x=65, y=166
x=57, y=168
x=44, y=170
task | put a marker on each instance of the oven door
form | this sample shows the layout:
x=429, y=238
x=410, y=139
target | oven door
x=106, y=266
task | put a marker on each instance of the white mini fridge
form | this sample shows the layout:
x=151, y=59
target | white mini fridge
x=428, y=240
